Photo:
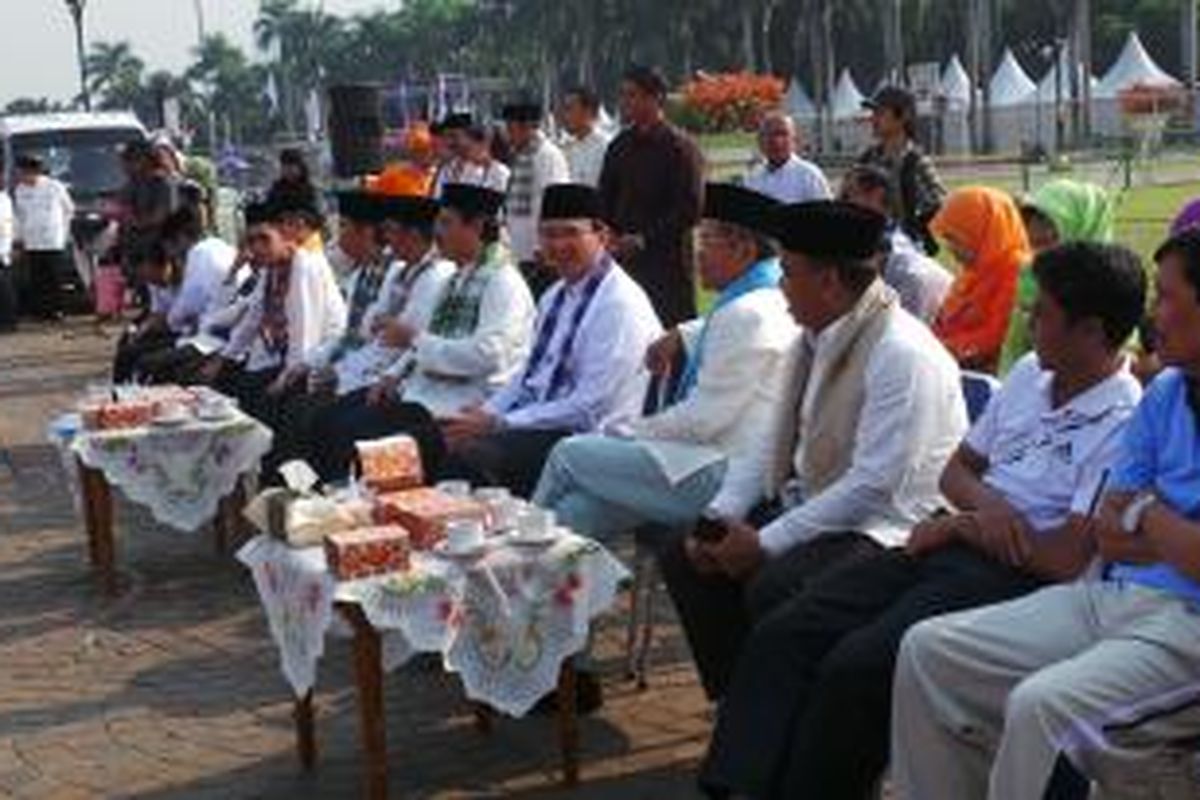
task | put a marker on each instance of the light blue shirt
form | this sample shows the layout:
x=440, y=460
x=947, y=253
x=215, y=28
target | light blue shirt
x=1162, y=454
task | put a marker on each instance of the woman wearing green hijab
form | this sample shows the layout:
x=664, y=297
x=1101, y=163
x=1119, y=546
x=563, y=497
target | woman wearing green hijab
x=1060, y=211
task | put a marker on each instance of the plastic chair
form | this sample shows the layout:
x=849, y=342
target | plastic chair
x=639, y=632
x=978, y=389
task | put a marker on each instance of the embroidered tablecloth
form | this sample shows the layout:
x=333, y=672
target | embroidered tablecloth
x=179, y=473
x=503, y=622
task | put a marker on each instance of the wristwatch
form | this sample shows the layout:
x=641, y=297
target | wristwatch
x=1131, y=519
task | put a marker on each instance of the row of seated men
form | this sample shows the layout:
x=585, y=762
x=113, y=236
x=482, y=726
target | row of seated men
x=1006, y=609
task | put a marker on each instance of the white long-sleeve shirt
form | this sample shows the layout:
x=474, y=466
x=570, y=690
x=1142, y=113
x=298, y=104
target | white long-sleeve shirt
x=7, y=228
x=315, y=311
x=545, y=166
x=452, y=374
x=603, y=376
x=585, y=156
x=793, y=181
x=44, y=211
x=205, y=268
x=912, y=420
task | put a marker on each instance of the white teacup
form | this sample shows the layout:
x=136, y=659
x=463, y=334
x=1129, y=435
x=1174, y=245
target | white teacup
x=464, y=535
x=535, y=523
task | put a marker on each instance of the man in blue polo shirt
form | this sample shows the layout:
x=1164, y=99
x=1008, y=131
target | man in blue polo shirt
x=1089, y=681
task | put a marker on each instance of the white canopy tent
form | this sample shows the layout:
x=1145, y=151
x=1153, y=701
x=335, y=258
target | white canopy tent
x=1012, y=96
x=955, y=120
x=1057, y=84
x=1133, y=67
x=797, y=102
x=850, y=133
x=956, y=83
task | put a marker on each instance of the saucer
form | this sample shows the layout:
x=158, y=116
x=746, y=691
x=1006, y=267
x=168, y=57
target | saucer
x=443, y=550
x=540, y=540
x=171, y=422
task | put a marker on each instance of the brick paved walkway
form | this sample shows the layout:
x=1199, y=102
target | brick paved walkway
x=173, y=690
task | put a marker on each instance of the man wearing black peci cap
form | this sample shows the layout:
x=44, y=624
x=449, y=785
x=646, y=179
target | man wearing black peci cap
x=454, y=167
x=652, y=185
x=919, y=191
x=474, y=343
x=537, y=163
x=685, y=460
x=585, y=369
x=871, y=410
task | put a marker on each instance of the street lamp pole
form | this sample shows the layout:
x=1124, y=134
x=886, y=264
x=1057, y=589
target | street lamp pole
x=76, y=8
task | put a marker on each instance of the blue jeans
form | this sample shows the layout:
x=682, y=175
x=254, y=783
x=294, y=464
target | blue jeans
x=600, y=486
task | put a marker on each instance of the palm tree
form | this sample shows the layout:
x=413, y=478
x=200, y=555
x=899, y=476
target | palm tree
x=114, y=73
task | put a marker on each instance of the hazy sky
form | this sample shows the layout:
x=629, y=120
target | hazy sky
x=37, y=54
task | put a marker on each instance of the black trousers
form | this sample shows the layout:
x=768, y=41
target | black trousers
x=512, y=458
x=250, y=390
x=133, y=353
x=172, y=365
x=8, y=298
x=297, y=411
x=349, y=419
x=808, y=710
x=44, y=268
x=717, y=613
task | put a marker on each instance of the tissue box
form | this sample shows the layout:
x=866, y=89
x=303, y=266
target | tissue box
x=425, y=512
x=391, y=464
x=365, y=552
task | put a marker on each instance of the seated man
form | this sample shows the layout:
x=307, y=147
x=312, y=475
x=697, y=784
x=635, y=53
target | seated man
x=151, y=333
x=206, y=288
x=667, y=468
x=921, y=282
x=295, y=309
x=806, y=714
x=476, y=340
x=1091, y=680
x=870, y=414
x=594, y=324
x=315, y=381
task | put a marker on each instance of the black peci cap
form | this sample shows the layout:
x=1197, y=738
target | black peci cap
x=475, y=201
x=571, y=201
x=831, y=229
x=737, y=205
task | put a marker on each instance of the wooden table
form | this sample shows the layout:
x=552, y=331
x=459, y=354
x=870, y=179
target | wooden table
x=368, y=678
x=98, y=523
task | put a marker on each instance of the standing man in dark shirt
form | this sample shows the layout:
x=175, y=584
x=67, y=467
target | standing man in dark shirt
x=652, y=188
x=919, y=190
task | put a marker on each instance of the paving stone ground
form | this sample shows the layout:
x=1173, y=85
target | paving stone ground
x=173, y=690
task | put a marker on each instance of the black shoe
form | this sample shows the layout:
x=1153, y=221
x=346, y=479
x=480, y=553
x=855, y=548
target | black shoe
x=589, y=696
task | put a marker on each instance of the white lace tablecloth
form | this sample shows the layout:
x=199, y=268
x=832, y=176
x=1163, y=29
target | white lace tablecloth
x=179, y=473
x=503, y=623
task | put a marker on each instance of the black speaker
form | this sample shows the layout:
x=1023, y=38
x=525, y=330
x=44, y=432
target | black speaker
x=356, y=129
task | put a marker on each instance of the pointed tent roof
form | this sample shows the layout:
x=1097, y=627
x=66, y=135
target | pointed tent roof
x=846, y=100
x=1133, y=66
x=956, y=83
x=1045, y=89
x=797, y=103
x=1010, y=85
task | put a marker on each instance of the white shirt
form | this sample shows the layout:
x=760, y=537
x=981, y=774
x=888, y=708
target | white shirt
x=732, y=406
x=549, y=168
x=7, y=228
x=493, y=176
x=912, y=420
x=451, y=374
x=1048, y=462
x=794, y=181
x=604, y=378
x=316, y=313
x=205, y=268
x=44, y=212
x=585, y=156
x=921, y=282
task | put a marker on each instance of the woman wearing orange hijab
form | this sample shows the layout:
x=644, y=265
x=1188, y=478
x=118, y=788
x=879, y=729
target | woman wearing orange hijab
x=983, y=229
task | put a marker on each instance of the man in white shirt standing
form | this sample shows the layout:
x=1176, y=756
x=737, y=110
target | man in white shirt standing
x=44, y=210
x=871, y=412
x=783, y=174
x=586, y=143
x=537, y=164
x=8, y=296
x=585, y=370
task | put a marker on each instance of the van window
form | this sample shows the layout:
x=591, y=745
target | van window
x=88, y=161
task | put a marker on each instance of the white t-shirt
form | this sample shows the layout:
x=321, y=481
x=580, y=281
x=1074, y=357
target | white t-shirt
x=1048, y=462
x=44, y=212
x=795, y=181
x=6, y=228
x=208, y=262
x=585, y=156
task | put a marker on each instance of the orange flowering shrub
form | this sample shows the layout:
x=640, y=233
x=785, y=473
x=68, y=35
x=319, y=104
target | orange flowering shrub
x=734, y=101
x=1142, y=99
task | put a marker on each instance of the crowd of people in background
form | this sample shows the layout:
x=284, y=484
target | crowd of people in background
x=875, y=565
